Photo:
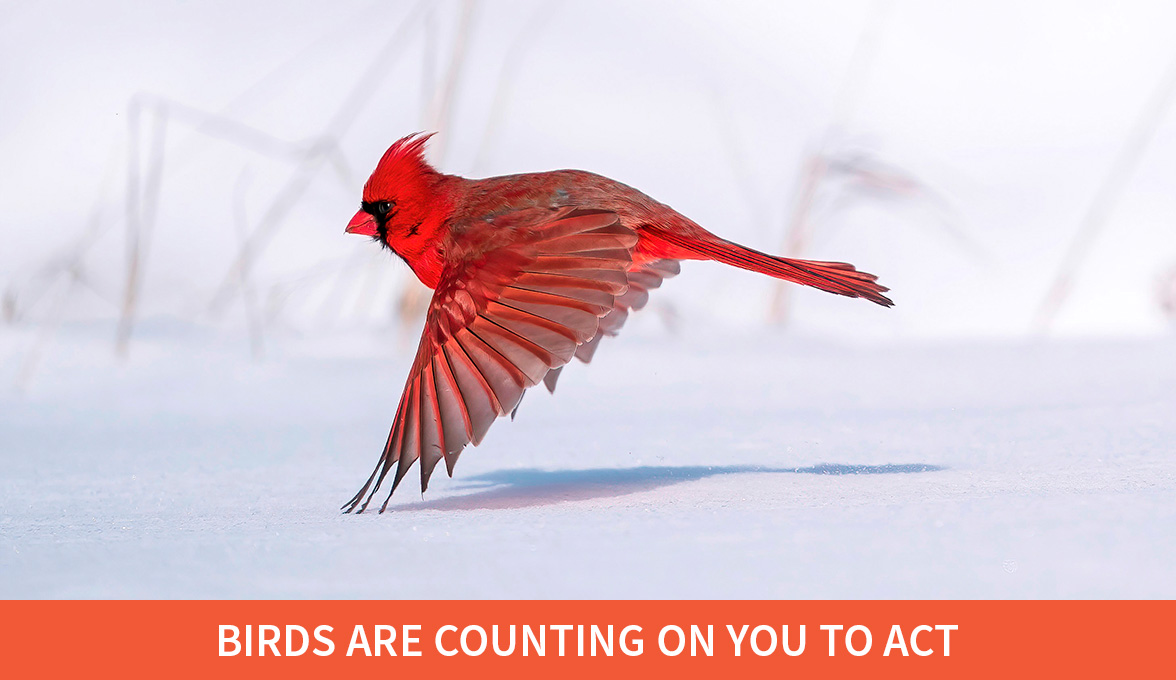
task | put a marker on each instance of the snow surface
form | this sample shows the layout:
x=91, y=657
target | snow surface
x=714, y=463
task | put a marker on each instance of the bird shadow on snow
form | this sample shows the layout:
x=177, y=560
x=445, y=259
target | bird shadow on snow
x=529, y=487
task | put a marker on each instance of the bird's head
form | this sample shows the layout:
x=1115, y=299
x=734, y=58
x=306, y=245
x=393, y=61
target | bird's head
x=403, y=203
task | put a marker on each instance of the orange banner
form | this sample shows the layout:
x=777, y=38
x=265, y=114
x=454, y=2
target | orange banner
x=574, y=639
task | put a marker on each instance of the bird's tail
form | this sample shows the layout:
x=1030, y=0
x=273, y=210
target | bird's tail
x=833, y=277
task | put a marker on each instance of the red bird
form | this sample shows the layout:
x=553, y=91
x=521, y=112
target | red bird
x=527, y=271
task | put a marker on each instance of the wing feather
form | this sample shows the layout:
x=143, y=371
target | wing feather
x=455, y=419
x=558, y=340
x=580, y=221
x=531, y=360
x=475, y=391
x=640, y=279
x=614, y=281
x=504, y=380
x=513, y=305
x=581, y=262
x=515, y=294
x=410, y=440
x=432, y=432
x=587, y=242
x=572, y=284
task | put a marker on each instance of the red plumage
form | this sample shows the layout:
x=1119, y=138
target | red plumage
x=528, y=271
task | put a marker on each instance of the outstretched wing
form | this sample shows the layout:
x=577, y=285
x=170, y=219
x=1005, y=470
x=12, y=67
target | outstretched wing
x=642, y=278
x=512, y=304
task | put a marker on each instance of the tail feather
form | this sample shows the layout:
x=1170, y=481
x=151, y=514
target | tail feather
x=840, y=278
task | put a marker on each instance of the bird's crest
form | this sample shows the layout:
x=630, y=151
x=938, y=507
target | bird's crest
x=403, y=165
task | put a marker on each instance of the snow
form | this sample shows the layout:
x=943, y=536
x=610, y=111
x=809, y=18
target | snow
x=714, y=462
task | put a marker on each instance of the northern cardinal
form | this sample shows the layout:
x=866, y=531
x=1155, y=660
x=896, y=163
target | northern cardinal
x=527, y=271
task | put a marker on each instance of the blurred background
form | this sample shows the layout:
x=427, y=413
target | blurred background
x=197, y=365
x=1006, y=168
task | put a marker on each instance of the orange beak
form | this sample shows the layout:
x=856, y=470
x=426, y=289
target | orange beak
x=362, y=224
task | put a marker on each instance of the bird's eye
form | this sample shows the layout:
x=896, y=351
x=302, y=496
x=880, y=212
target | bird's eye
x=379, y=209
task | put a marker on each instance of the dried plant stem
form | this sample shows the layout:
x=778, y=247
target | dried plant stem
x=73, y=271
x=727, y=128
x=1105, y=199
x=142, y=203
x=797, y=233
x=411, y=302
x=428, y=61
x=286, y=198
x=506, y=77
x=332, y=303
x=32, y=358
x=371, y=282
x=248, y=292
x=441, y=107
